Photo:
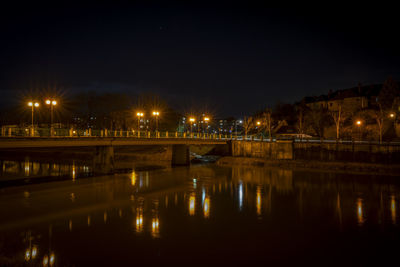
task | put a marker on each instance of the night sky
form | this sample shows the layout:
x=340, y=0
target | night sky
x=235, y=58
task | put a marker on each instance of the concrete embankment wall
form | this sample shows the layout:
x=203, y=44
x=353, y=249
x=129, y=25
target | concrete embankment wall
x=267, y=150
x=365, y=153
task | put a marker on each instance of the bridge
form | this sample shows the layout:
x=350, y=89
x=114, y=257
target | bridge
x=104, y=141
x=103, y=152
x=179, y=145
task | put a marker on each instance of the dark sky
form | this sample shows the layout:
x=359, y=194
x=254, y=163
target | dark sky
x=233, y=57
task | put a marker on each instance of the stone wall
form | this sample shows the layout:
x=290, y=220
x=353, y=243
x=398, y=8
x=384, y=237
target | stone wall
x=267, y=150
x=366, y=153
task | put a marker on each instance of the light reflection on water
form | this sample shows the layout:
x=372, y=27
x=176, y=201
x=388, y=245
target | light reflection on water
x=28, y=168
x=189, y=207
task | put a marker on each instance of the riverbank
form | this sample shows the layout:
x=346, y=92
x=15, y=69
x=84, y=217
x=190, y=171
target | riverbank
x=344, y=167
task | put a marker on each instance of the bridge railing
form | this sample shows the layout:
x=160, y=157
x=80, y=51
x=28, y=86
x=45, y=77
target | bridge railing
x=58, y=133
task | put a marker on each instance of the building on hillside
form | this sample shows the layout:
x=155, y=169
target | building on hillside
x=349, y=99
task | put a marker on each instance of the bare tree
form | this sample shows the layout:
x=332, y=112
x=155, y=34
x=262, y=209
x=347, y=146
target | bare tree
x=379, y=116
x=339, y=116
x=267, y=122
x=301, y=119
x=388, y=94
x=318, y=119
x=247, y=125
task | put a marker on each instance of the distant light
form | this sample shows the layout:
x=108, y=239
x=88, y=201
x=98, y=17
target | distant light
x=36, y=104
x=54, y=102
x=30, y=104
x=34, y=252
x=45, y=260
x=27, y=255
x=133, y=179
x=391, y=115
x=358, y=122
x=52, y=258
x=192, y=204
x=192, y=119
x=48, y=102
x=258, y=123
x=206, y=208
x=240, y=194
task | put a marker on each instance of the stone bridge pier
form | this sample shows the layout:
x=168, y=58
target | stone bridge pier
x=180, y=155
x=103, y=160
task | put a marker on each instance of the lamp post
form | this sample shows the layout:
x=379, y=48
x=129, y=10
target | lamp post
x=359, y=123
x=192, y=120
x=139, y=115
x=156, y=114
x=206, y=120
x=33, y=105
x=51, y=103
x=236, y=126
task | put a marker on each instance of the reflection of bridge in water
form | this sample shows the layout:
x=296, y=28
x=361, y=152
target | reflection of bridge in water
x=178, y=149
x=29, y=168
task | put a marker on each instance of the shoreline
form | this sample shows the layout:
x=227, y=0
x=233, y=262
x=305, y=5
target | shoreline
x=337, y=166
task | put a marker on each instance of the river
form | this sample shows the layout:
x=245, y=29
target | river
x=198, y=215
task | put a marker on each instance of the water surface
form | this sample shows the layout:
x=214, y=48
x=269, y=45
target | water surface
x=203, y=215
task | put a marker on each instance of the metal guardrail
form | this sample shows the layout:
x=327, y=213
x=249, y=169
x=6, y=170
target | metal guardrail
x=63, y=133
x=15, y=132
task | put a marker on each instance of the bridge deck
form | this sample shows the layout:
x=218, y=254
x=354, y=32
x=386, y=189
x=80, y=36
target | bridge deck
x=93, y=141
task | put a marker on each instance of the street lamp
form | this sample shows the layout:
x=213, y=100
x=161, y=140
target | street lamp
x=139, y=115
x=236, y=126
x=206, y=120
x=51, y=103
x=33, y=105
x=192, y=120
x=359, y=123
x=156, y=113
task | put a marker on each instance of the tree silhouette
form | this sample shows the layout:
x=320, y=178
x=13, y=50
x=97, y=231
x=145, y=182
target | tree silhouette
x=388, y=94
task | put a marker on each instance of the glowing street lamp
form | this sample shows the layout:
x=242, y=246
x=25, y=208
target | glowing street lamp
x=359, y=123
x=139, y=115
x=51, y=103
x=391, y=115
x=192, y=120
x=206, y=120
x=33, y=105
x=156, y=114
